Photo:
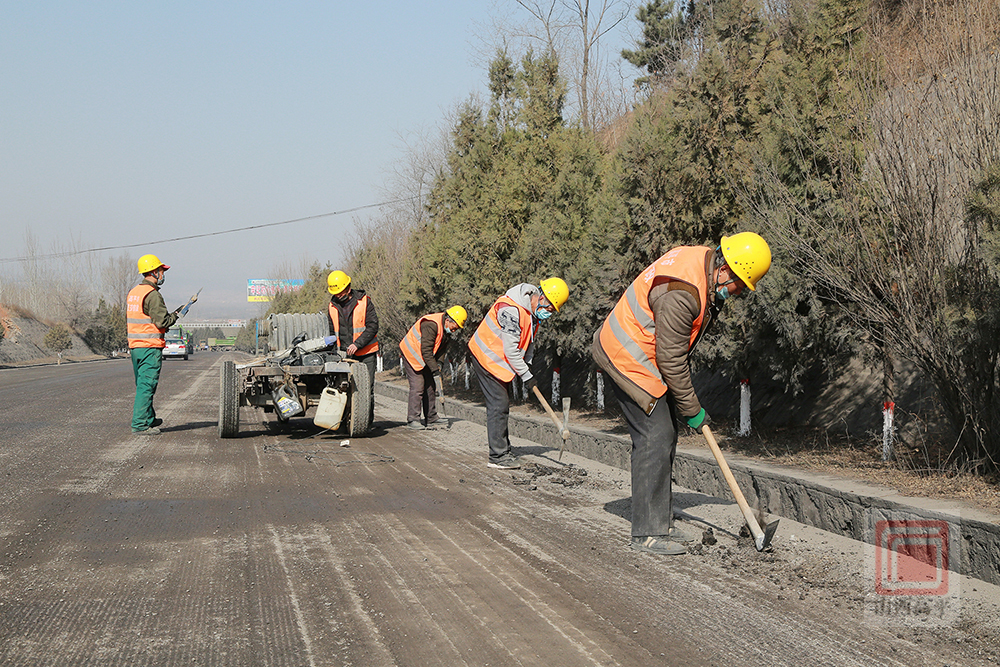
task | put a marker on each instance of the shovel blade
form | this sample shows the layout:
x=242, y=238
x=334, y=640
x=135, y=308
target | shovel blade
x=764, y=540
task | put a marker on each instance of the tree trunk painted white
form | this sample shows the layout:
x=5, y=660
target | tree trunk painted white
x=600, y=390
x=744, y=409
x=888, y=408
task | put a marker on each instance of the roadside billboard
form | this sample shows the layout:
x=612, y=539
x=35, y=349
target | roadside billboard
x=265, y=289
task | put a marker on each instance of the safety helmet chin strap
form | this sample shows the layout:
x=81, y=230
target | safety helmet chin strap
x=721, y=263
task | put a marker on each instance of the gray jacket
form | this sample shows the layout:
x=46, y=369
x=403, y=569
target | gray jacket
x=510, y=329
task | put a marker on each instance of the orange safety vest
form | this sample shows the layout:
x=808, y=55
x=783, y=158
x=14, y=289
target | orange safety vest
x=141, y=330
x=628, y=335
x=487, y=346
x=358, y=321
x=410, y=345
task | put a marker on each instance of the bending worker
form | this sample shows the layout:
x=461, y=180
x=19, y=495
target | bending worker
x=146, y=321
x=355, y=324
x=424, y=344
x=502, y=347
x=644, y=347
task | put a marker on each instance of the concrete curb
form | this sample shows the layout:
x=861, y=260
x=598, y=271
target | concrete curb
x=835, y=505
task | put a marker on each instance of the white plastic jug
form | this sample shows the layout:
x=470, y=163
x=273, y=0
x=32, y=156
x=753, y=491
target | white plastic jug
x=330, y=410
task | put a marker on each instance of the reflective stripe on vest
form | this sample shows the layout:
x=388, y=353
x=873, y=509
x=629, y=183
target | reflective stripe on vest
x=141, y=330
x=487, y=345
x=410, y=345
x=358, y=322
x=628, y=335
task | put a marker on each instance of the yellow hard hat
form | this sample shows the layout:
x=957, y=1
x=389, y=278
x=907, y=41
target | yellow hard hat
x=748, y=255
x=149, y=263
x=556, y=291
x=458, y=314
x=337, y=282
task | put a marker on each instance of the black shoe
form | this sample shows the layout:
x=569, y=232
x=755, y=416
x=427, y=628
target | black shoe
x=661, y=545
x=156, y=422
x=505, y=462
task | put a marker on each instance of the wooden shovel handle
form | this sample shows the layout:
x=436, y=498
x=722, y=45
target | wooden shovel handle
x=733, y=486
x=555, y=420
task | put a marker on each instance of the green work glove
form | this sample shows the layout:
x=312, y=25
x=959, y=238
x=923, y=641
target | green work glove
x=698, y=420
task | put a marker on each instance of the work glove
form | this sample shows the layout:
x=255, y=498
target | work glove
x=698, y=420
x=530, y=384
x=330, y=341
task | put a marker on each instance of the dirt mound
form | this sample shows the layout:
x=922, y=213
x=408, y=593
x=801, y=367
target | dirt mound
x=22, y=343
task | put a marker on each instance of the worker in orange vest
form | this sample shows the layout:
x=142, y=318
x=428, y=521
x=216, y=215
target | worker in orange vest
x=644, y=347
x=422, y=346
x=146, y=322
x=354, y=321
x=502, y=348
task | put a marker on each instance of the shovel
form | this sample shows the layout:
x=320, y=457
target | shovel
x=555, y=420
x=761, y=538
x=444, y=413
x=565, y=426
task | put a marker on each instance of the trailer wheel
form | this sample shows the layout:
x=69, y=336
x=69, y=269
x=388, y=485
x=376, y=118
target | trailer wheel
x=229, y=401
x=361, y=400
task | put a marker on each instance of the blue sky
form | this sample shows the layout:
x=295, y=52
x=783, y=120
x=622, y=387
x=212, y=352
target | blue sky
x=131, y=122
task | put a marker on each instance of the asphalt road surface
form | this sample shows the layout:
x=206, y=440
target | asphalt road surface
x=403, y=548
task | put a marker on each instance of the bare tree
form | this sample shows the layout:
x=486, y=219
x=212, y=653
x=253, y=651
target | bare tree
x=376, y=254
x=573, y=30
x=119, y=275
x=899, y=252
x=592, y=26
x=36, y=292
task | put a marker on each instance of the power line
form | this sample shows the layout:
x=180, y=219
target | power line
x=70, y=253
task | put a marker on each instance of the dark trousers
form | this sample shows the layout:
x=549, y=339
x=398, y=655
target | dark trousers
x=497, y=410
x=422, y=393
x=654, y=444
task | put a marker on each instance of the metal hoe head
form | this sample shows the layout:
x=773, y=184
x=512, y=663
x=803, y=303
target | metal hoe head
x=764, y=540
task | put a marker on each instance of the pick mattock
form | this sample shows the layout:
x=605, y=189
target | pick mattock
x=555, y=420
x=761, y=538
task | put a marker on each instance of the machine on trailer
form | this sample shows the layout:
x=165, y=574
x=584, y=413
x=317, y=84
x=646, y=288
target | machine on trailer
x=307, y=376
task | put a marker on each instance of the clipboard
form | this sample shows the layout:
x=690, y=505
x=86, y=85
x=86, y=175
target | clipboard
x=184, y=310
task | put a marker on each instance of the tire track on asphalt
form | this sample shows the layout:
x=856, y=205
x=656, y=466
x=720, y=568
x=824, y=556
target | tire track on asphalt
x=473, y=576
x=687, y=586
x=374, y=649
x=293, y=596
